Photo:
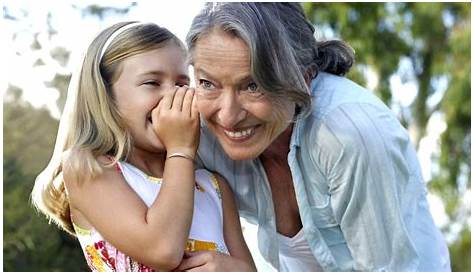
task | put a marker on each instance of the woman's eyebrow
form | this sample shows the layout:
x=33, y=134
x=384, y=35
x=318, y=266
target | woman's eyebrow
x=204, y=73
x=243, y=78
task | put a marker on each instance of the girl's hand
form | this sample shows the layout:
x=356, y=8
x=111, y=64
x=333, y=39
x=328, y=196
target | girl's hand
x=176, y=121
x=207, y=261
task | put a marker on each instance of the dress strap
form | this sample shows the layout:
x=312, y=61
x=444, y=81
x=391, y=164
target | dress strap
x=215, y=183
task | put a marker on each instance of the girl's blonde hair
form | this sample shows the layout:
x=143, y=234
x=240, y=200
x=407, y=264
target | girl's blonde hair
x=91, y=125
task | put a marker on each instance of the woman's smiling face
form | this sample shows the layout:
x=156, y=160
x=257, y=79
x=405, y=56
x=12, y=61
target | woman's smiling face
x=240, y=114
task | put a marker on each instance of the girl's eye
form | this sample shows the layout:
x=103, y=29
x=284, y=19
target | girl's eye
x=151, y=83
x=182, y=84
x=205, y=84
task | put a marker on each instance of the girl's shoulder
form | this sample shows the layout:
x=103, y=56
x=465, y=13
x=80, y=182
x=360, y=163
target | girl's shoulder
x=80, y=167
x=214, y=179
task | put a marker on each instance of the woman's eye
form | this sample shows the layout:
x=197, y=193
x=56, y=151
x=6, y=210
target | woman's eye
x=205, y=84
x=252, y=87
x=253, y=90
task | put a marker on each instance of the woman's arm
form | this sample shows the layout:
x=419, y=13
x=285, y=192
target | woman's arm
x=363, y=152
x=240, y=258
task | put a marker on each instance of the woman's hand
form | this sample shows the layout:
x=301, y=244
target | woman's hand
x=176, y=121
x=207, y=261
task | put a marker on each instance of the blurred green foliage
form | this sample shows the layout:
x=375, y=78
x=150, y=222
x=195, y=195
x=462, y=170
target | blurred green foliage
x=434, y=38
x=29, y=242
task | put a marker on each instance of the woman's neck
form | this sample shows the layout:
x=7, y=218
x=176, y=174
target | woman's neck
x=152, y=164
x=280, y=147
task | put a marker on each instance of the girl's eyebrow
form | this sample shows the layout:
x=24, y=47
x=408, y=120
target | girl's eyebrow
x=151, y=73
x=184, y=77
x=161, y=73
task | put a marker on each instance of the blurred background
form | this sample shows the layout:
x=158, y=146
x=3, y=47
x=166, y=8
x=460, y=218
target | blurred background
x=415, y=56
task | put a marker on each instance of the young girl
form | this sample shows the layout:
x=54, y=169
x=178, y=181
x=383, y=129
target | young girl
x=122, y=175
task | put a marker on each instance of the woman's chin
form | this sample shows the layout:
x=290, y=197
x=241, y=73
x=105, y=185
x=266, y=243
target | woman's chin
x=241, y=153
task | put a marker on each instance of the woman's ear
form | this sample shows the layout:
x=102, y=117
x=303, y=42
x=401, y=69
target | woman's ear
x=297, y=111
x=310, y=74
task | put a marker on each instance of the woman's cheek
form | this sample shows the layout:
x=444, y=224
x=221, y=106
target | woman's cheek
x=204, y=105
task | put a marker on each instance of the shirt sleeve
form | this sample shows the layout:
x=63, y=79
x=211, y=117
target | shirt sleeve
x=361, y=150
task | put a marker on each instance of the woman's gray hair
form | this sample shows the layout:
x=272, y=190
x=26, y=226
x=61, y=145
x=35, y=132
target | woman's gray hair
x=283, y=50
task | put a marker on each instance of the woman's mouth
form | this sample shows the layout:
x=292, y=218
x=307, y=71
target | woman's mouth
x=240, y=135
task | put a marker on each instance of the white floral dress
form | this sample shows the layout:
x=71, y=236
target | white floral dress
x=206, y=230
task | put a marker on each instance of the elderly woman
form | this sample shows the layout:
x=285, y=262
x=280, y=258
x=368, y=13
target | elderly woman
x=319, y=163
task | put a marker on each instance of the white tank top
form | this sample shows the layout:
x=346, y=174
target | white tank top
x=206, y=231
x=295, y=254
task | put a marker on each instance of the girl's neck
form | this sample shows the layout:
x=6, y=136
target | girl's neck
x=152, y=164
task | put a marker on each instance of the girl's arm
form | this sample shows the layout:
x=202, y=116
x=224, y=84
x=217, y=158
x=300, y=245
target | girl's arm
x=154, y=236
x=240, y=258
x=233, y=229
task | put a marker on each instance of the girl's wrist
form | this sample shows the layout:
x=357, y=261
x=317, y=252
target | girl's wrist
x=181, y=152
x=180, y=155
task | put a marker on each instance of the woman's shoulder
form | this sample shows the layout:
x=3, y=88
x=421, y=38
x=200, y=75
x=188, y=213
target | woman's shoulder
x=330, y=92
x=326, y=80
x=336, y=98
x=341, y=124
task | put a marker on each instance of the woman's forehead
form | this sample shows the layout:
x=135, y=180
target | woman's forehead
x=219, y=54
x=221, y=44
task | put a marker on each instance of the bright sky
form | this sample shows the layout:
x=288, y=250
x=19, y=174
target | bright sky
x=74, y=31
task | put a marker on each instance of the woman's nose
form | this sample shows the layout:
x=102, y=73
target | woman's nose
x=231, y=111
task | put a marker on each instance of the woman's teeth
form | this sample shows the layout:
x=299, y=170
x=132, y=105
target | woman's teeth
x=239, y=134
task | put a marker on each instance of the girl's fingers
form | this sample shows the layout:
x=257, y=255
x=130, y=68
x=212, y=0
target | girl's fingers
x=194, y=108
x=178, y=98
x=189, y=263
x=155, y=113
x=188, y=101
x=167, y=100
x=197, y=269
x=191, y=260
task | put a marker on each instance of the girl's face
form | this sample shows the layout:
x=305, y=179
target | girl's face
x=144, y=79
x=244, y=120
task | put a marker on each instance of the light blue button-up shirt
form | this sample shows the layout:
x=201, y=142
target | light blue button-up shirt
x=358, y=184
